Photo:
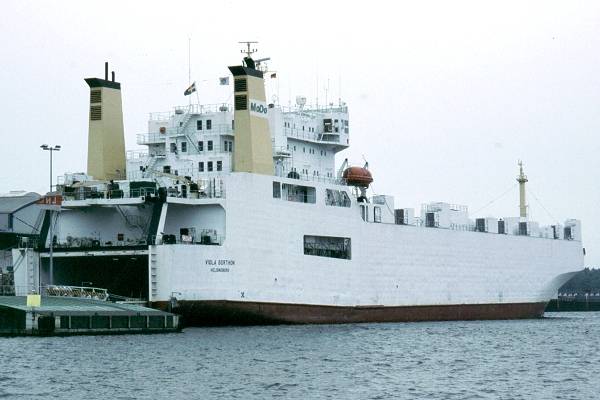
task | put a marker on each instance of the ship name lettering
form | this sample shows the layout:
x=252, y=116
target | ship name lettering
x=220, y=262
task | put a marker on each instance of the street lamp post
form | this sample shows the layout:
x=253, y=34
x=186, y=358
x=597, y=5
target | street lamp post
x=51, y=149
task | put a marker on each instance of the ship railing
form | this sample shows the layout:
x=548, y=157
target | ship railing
x=94, y=243
x=192, y=109
x=308, y=109
x=206, y=240
x=158, y=137
x=87, y=193
x=312, y=178
x=208, y=187
x=27, y=242
x=204, y=193
x=327, y=137
x=82, y=292
x=148, y=138
x=137, y=155
x=8, y=290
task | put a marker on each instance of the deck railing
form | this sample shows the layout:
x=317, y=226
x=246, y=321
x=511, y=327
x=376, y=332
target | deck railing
x=82, y=292
x=198, y=239
x=192, y=109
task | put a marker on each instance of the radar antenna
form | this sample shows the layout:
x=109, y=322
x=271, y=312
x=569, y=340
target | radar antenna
x=249, y=50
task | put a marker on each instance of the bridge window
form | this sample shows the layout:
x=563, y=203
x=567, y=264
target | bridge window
x=338, y=198
x=276, y=190
x=327, y=246
x=298, y=193
x=199, y=125
x=183, y=147
x=208, y=124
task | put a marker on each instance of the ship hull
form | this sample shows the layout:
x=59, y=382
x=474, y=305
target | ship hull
x=223, y=313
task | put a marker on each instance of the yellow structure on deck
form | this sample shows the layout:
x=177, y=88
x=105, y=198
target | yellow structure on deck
x=253, y=150
x=106, y=140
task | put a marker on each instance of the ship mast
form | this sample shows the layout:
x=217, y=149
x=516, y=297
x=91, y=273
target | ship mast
x=522, y=179
x=250, y=50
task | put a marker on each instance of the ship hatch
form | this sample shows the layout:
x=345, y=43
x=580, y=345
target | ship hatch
x=122, y=275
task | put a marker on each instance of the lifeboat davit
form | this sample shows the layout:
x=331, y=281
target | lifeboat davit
x=357, y=176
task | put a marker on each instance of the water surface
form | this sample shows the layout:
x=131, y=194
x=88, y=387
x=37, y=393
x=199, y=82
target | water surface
x=552, y=358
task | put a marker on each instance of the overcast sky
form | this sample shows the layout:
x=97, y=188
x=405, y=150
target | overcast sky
x=444, y=97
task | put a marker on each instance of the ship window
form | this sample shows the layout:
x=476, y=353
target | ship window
x=208, y=124
x=328, y=246
x=376, y=214
x=298, y=193
x=183, y=147
x=201, y=146
x=304, y=149
x=201, y=166
x=209, y=145
x=241, y=102
x=337, y=198
x=173, y=147
x=210, y=166
x=199, y=125
x=167, y=169
x=276, y=190
x=219, y=165
x=232, y=124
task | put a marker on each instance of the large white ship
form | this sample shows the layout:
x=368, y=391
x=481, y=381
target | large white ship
x=237, y=214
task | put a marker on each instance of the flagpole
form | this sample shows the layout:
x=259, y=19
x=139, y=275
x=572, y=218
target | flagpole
x=190, y=68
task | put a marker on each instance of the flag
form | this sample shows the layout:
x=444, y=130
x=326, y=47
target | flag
x=224, y=81
x=190, y=90
x=274, y=75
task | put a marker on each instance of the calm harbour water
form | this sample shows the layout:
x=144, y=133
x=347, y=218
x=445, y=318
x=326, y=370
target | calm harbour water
x=557, y=357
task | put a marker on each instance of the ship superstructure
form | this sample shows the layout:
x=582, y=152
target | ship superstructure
x=237, y=214
x=197, y=142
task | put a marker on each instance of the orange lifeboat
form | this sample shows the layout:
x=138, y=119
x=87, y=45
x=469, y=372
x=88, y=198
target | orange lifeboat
x=357, y=176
